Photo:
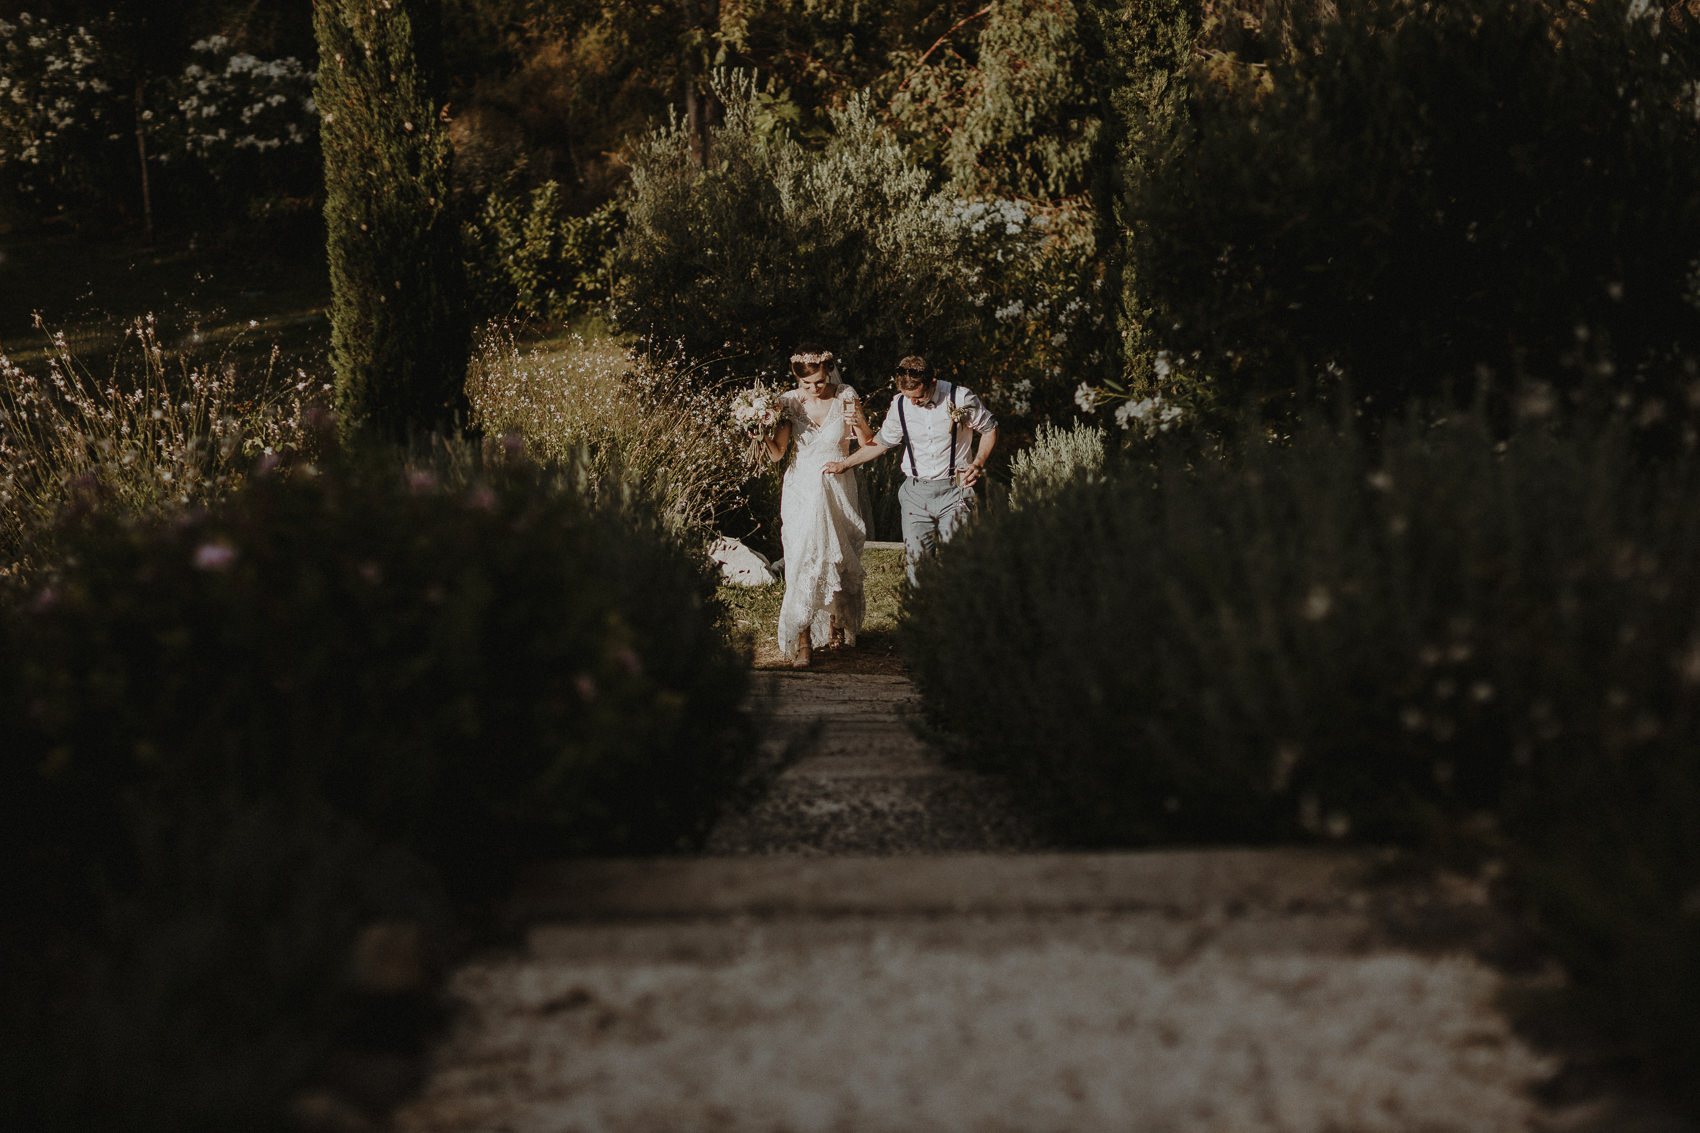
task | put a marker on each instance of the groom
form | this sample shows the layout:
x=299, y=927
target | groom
x=933, y=422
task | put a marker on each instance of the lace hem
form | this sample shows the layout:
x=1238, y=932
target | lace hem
x=812, y=606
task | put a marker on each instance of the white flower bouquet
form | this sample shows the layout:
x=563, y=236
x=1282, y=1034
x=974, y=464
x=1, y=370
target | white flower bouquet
x=757, y=412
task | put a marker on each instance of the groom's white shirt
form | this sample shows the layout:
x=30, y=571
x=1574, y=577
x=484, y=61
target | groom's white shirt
x=929, y=431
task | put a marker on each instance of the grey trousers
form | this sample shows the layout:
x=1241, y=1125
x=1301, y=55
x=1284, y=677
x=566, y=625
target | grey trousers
x=932, y=511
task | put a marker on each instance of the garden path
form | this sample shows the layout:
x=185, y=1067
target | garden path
x=879, y=944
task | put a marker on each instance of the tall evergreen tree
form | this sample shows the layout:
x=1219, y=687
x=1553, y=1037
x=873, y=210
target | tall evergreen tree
x=399, y=328
x=1139, y=54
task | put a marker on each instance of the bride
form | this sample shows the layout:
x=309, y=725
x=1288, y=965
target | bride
x=821, y=528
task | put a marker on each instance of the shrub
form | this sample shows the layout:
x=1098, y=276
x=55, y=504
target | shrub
x=1056, y=458
x=774, y=243
x=770, y=245
x=399, y=329
x=1444, y=640
x=528, y=258
x=1422, y=196
x=58, y=113
x=479, y=671
x=234, y=735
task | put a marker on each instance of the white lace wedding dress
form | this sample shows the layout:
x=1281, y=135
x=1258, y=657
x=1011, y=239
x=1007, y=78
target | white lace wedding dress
x=821, y=529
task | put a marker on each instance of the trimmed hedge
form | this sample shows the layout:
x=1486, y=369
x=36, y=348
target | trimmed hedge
x=237, y=736
x=1445, y=640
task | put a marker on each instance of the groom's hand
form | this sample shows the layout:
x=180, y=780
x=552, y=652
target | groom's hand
x=832, y=468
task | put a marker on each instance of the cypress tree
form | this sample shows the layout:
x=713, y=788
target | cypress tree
x=399, y=324
x=1139, y=54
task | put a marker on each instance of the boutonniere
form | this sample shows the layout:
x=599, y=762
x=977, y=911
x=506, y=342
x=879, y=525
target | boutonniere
x=957, y=414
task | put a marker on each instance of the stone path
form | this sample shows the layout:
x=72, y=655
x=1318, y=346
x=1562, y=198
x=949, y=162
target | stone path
x=865, y=782
x=879, y=944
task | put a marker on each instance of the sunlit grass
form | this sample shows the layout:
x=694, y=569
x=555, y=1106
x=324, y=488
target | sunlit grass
x=652, y=422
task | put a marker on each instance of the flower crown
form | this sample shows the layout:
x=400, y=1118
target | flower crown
x=820, y=356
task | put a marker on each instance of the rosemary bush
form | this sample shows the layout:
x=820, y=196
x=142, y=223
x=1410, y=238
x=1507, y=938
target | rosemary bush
x=1444, y=639
x=1056, y=457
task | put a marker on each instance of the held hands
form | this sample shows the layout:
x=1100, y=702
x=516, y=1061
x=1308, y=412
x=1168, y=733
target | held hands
x=971, y=475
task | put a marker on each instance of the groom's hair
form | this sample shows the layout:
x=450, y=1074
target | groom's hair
x=912, y=371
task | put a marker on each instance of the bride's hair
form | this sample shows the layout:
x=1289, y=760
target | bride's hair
x=812, y=356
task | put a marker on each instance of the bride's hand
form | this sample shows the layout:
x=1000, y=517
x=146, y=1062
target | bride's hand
x=832, y=468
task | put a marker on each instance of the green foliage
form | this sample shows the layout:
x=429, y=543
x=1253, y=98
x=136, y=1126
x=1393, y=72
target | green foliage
x=208, y=979
x=775, y=243
x=1056, y=458
x=772, y=244
x=529, y=258
x=1424, y=196
x=1447, y=640
x=399, y=330
x=1008, y=113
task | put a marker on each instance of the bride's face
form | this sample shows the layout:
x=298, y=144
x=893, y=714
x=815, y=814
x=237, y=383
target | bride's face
x=813, y=382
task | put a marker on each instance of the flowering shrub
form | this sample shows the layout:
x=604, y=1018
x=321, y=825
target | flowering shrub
x=56, y=109
x=1031, y=277
x=237, y=102
x=1443, y=638
x=247, y=126
x=142, y=439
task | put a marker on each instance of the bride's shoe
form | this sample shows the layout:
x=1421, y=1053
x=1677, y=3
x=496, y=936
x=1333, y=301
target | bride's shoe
x=835, y=640
x=802, y=659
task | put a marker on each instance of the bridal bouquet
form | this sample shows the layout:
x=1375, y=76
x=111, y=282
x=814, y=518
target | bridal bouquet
x=757, y=412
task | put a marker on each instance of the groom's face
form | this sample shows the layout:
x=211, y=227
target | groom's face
x=918, y=393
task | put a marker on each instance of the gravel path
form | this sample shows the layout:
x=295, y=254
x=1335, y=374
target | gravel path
x=881, y=945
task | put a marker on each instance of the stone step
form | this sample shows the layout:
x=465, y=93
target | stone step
x=1172, y=882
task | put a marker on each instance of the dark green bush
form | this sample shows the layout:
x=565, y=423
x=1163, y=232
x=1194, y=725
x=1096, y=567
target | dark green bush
x=483, y=672
x=1424, y=193
x=1444, y=641
x=233, y=738
x=527, y=257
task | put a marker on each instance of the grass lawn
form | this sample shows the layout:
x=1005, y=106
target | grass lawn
x=221, y=304
x=752, y=618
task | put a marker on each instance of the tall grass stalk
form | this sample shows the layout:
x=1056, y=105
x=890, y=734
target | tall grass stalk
x=157, y=431
x=646, y=422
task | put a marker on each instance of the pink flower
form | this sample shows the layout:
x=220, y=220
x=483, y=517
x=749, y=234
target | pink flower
x=214, y=555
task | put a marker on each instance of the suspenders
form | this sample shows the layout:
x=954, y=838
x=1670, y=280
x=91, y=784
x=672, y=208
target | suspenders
x=903, y=420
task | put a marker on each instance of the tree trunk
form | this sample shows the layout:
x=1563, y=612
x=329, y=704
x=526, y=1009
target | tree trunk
x=142, y=154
